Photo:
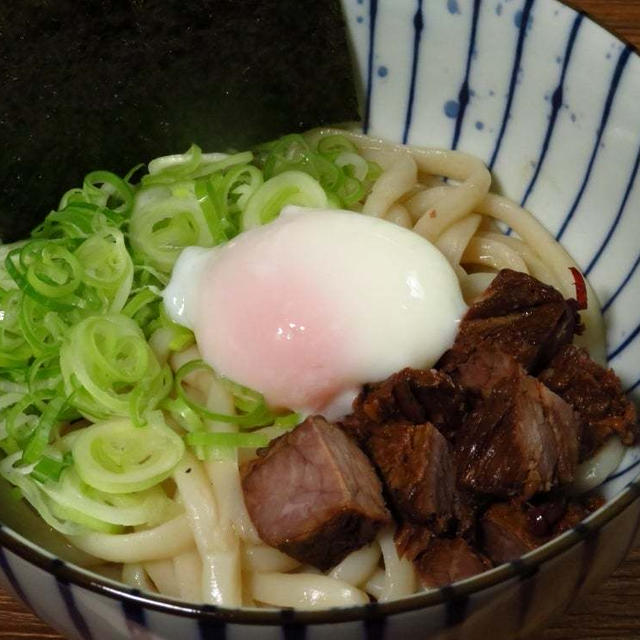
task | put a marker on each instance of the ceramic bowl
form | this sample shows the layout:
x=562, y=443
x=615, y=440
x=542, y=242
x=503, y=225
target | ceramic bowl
x=550, y=101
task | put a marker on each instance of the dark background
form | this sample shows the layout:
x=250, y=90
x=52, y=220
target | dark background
x=107, y=84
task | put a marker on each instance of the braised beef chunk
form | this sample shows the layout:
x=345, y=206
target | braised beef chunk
x=412, y=539
x=506, y=532
x=314, y=495
x=485, y=368
x=518, y=315
x=448, y=560
x=596, y=394
x=417, y=469
x=416, y=396
x=358, y=427
x=519, y=440
x=438, y=560
x=512, y=291
x=511, y=529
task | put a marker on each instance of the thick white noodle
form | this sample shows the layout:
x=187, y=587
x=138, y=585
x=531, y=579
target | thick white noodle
x=135, y=576
x=401, y=176
x=225, y=474
x=453, y=242
x=398, y=215
x=488, y=252
x=400, y=576
x=216, y=543
x=163, y=577
x=595, y=470
x=376, y=584
x=164, y=541
x=424, y=200
x=358, y=566
x=475, y=284
x=199, y=379
x=304, y=591
x=188, y=572
x=473, y=176
x=264, y=559
x=160, y=341
x=537, y=268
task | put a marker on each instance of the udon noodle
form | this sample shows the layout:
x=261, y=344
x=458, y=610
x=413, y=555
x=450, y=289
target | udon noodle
x=209, y=551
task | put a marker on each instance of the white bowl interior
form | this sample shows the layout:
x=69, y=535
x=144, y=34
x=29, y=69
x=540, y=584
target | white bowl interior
x=549, y=100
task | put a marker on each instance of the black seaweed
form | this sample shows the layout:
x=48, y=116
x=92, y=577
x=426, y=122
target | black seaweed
x=106, y=84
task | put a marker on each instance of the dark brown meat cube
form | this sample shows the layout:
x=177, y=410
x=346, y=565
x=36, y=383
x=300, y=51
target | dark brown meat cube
x=506, y=532
x=511, y=529
x=417, y=469
x=438, y=561
x=518, y=315
x=412, y=539
x=555, y=515
x=448, y=560
x=485, y=368
x=596, y=394
x=512, y=291
x=520, y=439
x=314, y=495
x=416, y=396
x=358, y=427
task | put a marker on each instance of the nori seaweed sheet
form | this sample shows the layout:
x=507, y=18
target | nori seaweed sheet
x=106, y=84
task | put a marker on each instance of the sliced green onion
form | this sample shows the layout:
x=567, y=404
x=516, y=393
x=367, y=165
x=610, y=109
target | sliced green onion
x=81, y=519
x=32, y=492
x=334, y=144
x=49, y=469
x=259, y=416
x=113, y=192
x=42, y=328
x=117, y=457
x=183, y=414
x=290, y=187
x=289, y=153
x=213, y=209
x=14, y=348
x=288, y=421
x=103, y=360
x=350, y=191
x=107, y=266
x=139, y=301
x=356, y=163
x=213, y=166
x=164, y=225
x=169, y=169
x=223, y=439
x=129, y=509
x=38, y=442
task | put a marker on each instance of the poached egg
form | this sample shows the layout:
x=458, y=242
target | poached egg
x=310, y=307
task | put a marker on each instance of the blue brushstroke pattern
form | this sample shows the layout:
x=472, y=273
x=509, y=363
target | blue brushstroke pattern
x=556, y=104
x=463, y=95
x=418, y=26
x=526, y=11
x=615, y=82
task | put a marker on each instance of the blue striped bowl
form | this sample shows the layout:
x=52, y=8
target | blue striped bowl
x=550, y=101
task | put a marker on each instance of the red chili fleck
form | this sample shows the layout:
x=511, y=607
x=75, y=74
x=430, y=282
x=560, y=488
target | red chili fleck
x=432, y=213
x=581, y=288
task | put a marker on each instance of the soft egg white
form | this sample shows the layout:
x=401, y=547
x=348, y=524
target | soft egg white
x=310, y=307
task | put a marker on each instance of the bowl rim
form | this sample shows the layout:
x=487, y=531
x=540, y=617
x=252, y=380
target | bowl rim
x=520, y=568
